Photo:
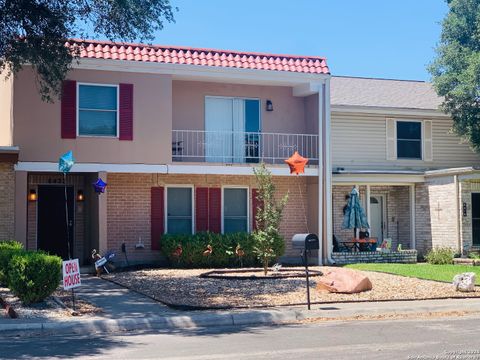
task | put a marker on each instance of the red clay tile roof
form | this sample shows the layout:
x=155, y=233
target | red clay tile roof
x=93, y=49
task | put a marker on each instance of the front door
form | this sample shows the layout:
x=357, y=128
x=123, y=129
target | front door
x=51, y=221
x=476, y=218
x=377, y=217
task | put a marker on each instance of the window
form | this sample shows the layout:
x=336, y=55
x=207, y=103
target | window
x=179, y=210
x=97, y=110
x=235, y=210
x=232, y=126
x=409, y=140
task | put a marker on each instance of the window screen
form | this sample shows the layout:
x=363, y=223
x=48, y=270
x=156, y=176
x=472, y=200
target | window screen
x=179, y=210
x=97, y=110
x=235, y=210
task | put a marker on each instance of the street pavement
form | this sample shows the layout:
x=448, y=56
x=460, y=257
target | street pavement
x=437, y=338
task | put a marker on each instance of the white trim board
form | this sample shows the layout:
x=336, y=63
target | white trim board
x=201, y=169
x=201, y=73
x=389, y=111
x=377, y=179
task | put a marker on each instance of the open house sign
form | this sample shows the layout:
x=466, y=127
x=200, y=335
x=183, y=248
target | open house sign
x=71, y=274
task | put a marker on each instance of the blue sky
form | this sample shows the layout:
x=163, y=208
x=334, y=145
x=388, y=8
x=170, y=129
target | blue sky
x=373, y=38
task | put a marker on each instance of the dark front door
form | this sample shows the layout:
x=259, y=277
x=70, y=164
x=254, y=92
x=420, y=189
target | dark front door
x=51, y=220
x=476, y=218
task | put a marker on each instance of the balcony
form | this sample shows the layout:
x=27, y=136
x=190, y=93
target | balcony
x=241, y=147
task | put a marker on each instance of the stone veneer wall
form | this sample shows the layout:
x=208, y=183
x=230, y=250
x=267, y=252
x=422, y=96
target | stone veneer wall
x=128, y=207
x=404, y=257
x=398, y=212
x=7, y=201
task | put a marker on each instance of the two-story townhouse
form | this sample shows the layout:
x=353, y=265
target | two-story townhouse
x=417, y=180
x=175, y=133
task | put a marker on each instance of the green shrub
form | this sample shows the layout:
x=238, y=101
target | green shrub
x=33, y=276
x=440, y=256
x=7, y=250
x=223, y=250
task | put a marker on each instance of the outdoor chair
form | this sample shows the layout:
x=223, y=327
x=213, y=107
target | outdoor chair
x=338, y=246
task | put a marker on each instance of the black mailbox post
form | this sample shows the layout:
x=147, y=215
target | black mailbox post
x=306, y=243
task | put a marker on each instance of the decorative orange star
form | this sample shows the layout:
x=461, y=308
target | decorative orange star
x=297, y=163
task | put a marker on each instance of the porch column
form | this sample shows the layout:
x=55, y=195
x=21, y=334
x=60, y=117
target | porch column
x=413, y=242
x=102, y=216
x=324, y=174
x=367, y=206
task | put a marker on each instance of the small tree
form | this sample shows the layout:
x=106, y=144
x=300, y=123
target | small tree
x=268, y=243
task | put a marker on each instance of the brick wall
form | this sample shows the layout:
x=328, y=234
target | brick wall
x=128, y=207
x=404, y=257
x=7, y=201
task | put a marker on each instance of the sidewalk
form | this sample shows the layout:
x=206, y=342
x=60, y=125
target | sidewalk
x=126, y=310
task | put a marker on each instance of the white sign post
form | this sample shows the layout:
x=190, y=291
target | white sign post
x=71, y=277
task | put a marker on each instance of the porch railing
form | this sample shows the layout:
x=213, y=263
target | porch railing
x=241, y=147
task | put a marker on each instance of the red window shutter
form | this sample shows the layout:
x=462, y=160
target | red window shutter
x=215, y=210
x=69, y=110
x=201, y=209
x=157, y=216
x=255, y=205
x=126, y=111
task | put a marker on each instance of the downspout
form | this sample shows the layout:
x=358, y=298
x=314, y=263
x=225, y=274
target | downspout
x=457, y=205
x=320, y=174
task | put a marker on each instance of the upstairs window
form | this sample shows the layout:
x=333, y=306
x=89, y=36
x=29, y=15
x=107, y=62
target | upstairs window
x=409, y=140
x=98, y=110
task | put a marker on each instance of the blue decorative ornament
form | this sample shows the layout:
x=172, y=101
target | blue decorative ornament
x=66, y=162
x=99, y=186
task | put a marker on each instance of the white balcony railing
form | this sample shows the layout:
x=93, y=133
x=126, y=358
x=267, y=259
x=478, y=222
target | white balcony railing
x=241, y=147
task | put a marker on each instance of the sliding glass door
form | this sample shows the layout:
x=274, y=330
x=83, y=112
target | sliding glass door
x=227, y=121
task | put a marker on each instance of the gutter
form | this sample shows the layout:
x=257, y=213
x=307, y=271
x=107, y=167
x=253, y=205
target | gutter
x=9, y=154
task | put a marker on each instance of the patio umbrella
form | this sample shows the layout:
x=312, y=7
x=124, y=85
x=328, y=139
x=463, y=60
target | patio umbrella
x=354, y=217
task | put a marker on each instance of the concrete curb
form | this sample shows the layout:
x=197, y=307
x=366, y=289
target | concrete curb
x=215, y=319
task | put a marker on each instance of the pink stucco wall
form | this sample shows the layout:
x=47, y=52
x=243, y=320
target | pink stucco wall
x=37, y=123
x=189, y=105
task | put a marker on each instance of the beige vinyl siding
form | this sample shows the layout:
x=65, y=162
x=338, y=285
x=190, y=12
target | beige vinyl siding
x=359, y=142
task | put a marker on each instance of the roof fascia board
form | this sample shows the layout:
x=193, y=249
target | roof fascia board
x=185, y=70
x=451, y=171
x=377, y=179
x=390, y=111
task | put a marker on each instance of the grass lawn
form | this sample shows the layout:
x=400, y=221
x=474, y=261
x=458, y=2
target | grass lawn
x=421, y=271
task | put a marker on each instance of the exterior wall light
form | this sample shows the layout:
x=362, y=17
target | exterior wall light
x=80, y=196
x=269, y=105
x=32, y=195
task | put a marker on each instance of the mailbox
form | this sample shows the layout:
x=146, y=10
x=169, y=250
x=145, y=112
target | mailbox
x=305, y=242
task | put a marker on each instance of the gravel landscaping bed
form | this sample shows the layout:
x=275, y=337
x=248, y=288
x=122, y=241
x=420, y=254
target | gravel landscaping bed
x=54, y=307
x=185, y=287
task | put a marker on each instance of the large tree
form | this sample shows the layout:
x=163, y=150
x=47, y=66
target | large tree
x=456, y=68
x=34, y=32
